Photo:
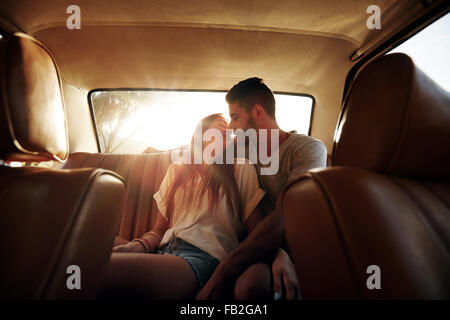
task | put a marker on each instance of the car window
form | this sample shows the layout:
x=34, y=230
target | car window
x=430, y=50
x=135, y=121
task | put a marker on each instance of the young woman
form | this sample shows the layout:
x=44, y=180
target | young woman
x=204, y=212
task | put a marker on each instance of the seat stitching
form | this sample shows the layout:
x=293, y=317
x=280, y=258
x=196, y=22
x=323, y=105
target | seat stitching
x=141, y=180
x=405, y=124
x=435, y=234
x=115, y=165
x=149, y=215
x=345, y=248
x=436, y=195
x=85, y=159
x=102, y=160
x=133, y=223
x=75, y=214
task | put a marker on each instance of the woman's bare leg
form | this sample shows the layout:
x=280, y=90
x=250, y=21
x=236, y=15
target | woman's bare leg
x=149, y=276
x=119, y=241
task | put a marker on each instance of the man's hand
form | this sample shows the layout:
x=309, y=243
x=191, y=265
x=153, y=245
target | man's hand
x=284, y=277
x=132, y=246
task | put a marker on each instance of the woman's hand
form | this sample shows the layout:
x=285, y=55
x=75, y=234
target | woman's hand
x=284, y=277
x=132, y=246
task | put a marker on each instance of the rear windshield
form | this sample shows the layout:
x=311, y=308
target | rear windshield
x=136, y=121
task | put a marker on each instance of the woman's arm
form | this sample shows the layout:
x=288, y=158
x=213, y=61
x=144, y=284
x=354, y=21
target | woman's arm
x=151, y=239
x=149, y=242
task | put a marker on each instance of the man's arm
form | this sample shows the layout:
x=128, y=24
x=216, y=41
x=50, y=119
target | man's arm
x=263, y=242
x=312, y=154
x=261, y=245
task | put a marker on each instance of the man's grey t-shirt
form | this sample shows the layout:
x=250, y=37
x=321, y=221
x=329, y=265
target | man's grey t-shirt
x=297, y=154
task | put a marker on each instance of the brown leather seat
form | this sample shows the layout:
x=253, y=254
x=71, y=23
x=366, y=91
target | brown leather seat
x=49, y=219
x=143, y=174
x=386, y=201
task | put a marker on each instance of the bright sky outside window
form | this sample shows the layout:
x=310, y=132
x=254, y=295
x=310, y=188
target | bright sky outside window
x=430, y=51
x=139, y=120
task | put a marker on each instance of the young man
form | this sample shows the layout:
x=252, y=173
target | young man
x=259, y=268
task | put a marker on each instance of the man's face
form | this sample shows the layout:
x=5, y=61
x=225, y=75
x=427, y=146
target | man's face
x=240, y=118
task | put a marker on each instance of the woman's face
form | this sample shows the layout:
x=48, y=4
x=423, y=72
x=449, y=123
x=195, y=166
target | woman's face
x=221, y=124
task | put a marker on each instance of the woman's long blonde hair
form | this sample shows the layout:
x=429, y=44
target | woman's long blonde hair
x=216, y=181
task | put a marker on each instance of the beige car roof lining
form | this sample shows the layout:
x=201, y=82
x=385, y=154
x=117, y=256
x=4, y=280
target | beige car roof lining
x=296, y=46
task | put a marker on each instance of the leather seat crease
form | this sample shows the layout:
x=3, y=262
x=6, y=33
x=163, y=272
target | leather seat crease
x=386, y=200
x=49, y=219
x=143, y=174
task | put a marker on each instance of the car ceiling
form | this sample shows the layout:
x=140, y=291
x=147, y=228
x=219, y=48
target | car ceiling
x=295, y=46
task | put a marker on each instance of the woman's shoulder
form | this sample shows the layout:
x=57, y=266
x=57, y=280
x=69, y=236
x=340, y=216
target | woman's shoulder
x=173, y=168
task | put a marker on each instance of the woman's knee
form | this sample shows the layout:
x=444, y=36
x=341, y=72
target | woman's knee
x=255, y=283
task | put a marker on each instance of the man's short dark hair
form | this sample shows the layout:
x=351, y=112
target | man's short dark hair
x=250, y=92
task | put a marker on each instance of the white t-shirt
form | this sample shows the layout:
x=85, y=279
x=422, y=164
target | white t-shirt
x=217, y=233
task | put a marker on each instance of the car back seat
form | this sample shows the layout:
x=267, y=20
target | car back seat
x=143, y=174
x=50, y=220
x=385, y=202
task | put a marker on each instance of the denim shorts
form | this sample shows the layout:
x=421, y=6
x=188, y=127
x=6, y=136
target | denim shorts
x=200, y=261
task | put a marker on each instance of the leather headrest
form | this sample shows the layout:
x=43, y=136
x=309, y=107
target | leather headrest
x=396, y=121
x=32, y=114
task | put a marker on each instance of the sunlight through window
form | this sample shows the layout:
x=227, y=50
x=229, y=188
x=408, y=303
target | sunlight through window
x=152, y=120
x=429, y=50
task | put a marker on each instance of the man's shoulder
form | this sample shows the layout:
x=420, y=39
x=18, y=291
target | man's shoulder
x=309, y=151
x=298, y=140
